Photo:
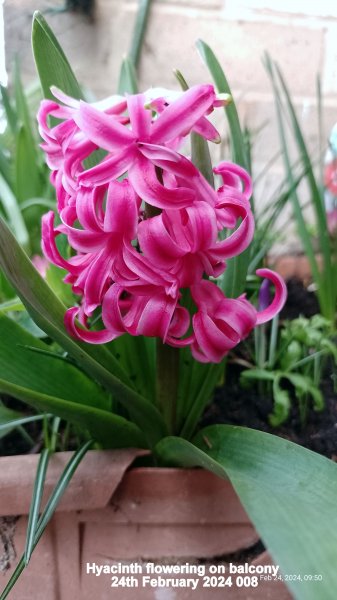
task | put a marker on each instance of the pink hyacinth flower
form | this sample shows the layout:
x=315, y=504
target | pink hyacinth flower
x=221, y=323
x=128, y=260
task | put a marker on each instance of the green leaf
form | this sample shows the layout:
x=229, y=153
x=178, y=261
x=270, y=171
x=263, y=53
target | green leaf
x=51, y=62
x=41, y=371
x=11, y=116
x=201, y=380
x=28, y=182
x=13, y=214
x=54, y=278
x=326, y=281
x=201, y=157
x=288, y=492
x=11, y=421
x=35, y=504
x=281, y=404
x=12, y=305
x=238, y=146
x=48, y=313
x=257, y=375
x=234, y=278
x=112, y=431
x=127, y=83
x=139, y=31
x=23, y=114
x=305, y=385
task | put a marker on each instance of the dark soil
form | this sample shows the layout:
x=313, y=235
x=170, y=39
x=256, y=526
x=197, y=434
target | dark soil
x=237, y=406
x=300, y=301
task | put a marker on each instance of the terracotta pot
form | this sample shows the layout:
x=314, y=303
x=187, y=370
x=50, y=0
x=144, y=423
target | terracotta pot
x=111, y=516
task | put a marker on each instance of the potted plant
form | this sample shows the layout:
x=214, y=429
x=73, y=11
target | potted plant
x=159, y=304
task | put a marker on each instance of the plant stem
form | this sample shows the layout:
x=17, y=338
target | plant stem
x=167, y=383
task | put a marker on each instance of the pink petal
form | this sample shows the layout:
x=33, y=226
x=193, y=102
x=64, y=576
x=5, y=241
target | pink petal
x=85, y=335
x=110, y=168
x=102, y=129
x=89, y=204
x=121, y=213
x=67, y=100
x=235, y=176
x=181, y=167
x=205, y=128
x=143, y=178
x=140, y=117
x=98, y=276
x=238, y=241
x=49, y=247
x=181, y=115
x=279, y=297
x=157, y=244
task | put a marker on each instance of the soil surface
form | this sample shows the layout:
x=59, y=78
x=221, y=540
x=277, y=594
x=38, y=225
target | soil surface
x=236, y=406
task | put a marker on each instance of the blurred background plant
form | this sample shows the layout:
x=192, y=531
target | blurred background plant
x=314, y=235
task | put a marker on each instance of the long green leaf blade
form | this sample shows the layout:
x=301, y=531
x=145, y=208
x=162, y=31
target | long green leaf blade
x=139, y=31
x=9, y=423
x=36, y=504
x=234, y=279
x=43, y=371
x=127, y=83
x=51, y=62
x=288, y=491
x=327, y=280
x=111, y=430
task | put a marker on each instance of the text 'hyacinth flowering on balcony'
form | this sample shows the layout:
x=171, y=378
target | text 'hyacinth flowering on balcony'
x=144, y=224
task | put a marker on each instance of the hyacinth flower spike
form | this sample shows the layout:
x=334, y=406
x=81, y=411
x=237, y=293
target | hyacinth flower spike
x=132, y=263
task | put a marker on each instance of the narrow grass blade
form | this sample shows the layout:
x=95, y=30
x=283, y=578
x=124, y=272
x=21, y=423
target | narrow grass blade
x=201, y=397
x=327, y=287
x=49, y=510
x=127, y=83
x=11, y=424
x=238, y=147
x=234, y=279
x=36, y=504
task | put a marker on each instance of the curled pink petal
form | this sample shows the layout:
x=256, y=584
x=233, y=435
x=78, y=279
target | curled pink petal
x=85, y=335
x=205, y=128
x=220, y=323
x=279, y=298
x=143, y=177
x=236, y=177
